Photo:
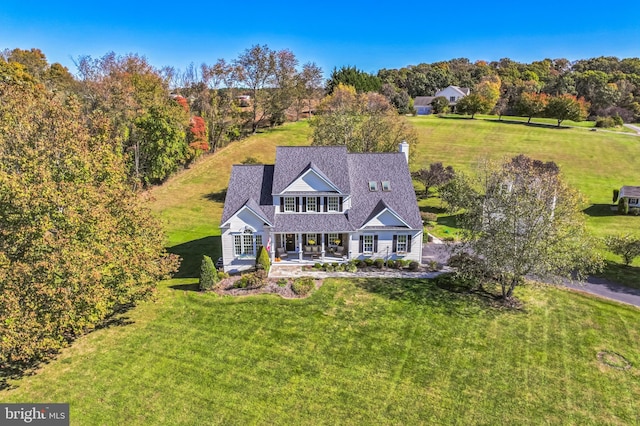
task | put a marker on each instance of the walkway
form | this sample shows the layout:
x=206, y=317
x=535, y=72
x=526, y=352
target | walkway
x=632, y=127
x=294, y=271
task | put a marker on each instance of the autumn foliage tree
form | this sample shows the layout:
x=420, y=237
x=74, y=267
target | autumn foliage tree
x=567, y=107
x=75, y=242
x=531, y=104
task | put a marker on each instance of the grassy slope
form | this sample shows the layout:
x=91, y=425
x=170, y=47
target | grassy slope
x=365, y=352
x=356, y=352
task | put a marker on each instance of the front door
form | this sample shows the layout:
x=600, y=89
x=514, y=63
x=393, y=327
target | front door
x=290, y=242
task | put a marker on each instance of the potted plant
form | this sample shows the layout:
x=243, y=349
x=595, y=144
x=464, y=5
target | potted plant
x=311, y=242
x=336, y=242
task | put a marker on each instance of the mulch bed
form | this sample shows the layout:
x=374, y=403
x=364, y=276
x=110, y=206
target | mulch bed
x=226, y=287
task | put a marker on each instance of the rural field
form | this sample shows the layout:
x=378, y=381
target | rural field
x=363, y=351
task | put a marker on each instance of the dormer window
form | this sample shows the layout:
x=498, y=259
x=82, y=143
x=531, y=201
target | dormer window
x=386, y=185
x=289, y=204
x=373, y=185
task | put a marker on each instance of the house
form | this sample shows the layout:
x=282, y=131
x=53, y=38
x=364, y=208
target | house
x=322, y=204
x=422, y=104
x=632, y=194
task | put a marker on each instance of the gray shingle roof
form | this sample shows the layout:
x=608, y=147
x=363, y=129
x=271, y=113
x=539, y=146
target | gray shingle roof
x=630, y=191
x=423, y=100
x=312, y=222
x=253, y=185
x=249, y=182
x=291, y=162
x=379, y=167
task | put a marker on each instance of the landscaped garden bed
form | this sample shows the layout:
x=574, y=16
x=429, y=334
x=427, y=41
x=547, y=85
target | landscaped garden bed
x=288, y=288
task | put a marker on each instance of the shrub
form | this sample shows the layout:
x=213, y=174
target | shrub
x=255, y=279
x=328, y=267
x=616, y=192
x=361, y=264
x=368, y=262
x=317, y=266
x=634, y=211
x=379, y=263
x=605, y=122
x=623, y=206
x=262, y=260
x=617, y=120
x=448, y=239
x=434, y=266
x=335, y=265
x=414, y=266
x=340, y=268
x=303, y=286
x=208, y=274
x=351, y=268
x=429, y=217
x=282, y=282
x=391, y=264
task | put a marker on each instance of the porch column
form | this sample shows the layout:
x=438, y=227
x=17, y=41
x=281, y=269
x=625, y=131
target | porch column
x=322, y=237
x=272, y=238
x=299, y=236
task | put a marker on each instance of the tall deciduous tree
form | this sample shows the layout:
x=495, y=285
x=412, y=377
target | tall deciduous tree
x=567, y=107
x=75, y=242
x=309, y=86
x=364, y=122
x=257, y=64
x=523, y=220
x=532, y=104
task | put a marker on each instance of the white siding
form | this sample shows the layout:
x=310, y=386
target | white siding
x=386, y=218
x=385, y=245
x=237, y=223
x=310, y=181
x=448, y=92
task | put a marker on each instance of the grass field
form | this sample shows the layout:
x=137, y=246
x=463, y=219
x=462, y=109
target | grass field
x=356, y=351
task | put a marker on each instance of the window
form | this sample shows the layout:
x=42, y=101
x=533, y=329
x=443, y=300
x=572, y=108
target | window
x=312, y=239
x=245, y=244
x=373, y=185
x=452, y=98
x=367, y=243
x=312, y=205
x=333, y=204
x=633, y=201
x=401, y=244
x=386, y=185
x=334, y=240
x=289, y=204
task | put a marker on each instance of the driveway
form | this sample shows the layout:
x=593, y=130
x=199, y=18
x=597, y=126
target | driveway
x=632, y=127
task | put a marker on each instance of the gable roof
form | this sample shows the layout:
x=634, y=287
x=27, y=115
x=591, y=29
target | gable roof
x=253, y=186
x=423, y=100
x=463, y=91
x=329, y=161
x=629, y=191
x=312, y=168
x=380, y=167
x=249, y=185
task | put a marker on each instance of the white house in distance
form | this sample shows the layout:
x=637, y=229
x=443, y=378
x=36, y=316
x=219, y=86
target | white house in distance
x=422, y=104
x=322, y=204
x=632, y=194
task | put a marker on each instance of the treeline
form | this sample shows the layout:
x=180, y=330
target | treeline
x=76, y=244
x=165, y=118
x=610, y=86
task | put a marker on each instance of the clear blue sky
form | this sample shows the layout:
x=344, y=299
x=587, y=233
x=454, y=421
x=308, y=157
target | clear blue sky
x=369, y=35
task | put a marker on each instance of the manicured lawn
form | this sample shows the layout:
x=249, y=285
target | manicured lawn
x=356, y=352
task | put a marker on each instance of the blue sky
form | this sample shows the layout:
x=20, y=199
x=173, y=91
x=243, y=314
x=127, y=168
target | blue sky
x=368, y=35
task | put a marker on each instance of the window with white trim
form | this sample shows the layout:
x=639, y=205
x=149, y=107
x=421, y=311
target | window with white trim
x=401, y=244
x=289, y=204
x=246, y=244
x=633, y=201
x=312, y=239
x=333, y=204
x=373, y=185
x=386, y=185
x=367, y=243
x=333, y=238
x=452, y=98
x=312, y=204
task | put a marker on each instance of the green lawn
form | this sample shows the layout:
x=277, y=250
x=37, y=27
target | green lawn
x=357, y=351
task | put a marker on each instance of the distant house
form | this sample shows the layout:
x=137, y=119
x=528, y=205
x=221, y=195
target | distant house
x=322, y=203
x=632, y=194
x=422, y=104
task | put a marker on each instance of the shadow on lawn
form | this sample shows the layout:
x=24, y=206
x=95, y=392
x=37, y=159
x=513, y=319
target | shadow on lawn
x=524, y=123
x=441, y=293
x=217, y=196
x=600, y=210
x=191, y=253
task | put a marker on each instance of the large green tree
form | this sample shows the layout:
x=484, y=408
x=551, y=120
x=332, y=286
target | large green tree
x=75, y=242
x=566, y=107
x=521, y=219
x=364, y=122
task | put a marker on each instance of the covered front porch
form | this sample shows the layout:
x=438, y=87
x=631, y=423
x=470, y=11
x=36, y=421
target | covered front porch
x=310, y=247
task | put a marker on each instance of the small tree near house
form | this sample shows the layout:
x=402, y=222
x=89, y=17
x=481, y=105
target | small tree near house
x=626, y=246
x=262, y=260
x=208, y=274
